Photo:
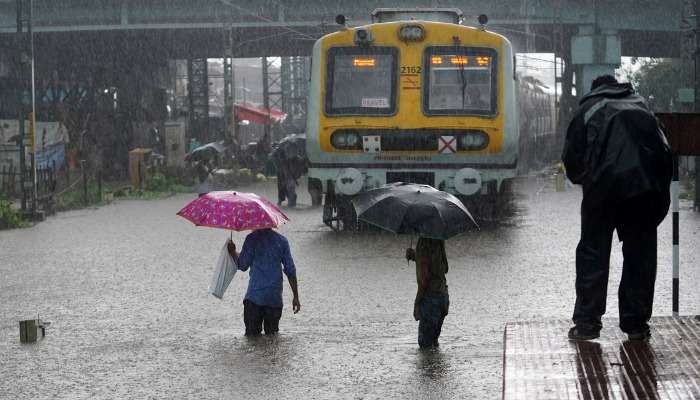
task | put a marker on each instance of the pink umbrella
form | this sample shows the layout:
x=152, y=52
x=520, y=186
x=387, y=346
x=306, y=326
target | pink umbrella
x=233, y=210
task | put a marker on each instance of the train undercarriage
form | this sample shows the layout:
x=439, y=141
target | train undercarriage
x=491, y=205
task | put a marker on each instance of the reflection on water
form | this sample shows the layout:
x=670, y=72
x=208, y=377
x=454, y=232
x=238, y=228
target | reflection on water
x=629, y=374
x=639, y=369
x=432, y=364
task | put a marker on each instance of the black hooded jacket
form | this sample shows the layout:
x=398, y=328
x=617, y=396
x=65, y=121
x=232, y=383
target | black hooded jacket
x=616, y=149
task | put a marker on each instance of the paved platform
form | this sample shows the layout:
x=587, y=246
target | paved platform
x=539, y=362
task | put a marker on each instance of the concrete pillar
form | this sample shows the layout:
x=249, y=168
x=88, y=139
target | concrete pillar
x=595, y=53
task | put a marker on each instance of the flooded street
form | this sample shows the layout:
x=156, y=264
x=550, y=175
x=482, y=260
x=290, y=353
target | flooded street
x=125, y=287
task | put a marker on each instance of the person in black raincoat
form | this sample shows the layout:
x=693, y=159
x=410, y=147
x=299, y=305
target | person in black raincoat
x=615, y=148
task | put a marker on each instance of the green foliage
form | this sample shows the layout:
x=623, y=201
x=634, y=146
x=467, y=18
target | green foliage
x=157, y=183
x=157, y=186
x=9, y=217
x=660, y=78
x=75, y=198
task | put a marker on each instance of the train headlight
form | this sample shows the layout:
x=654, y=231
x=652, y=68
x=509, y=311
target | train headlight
x=473, y=141
x=346, y=140
x=363, y=37
x=411, y=33
x=353, y=140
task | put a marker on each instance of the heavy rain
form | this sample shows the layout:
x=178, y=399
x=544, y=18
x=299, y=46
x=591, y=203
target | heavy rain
x=426, y=193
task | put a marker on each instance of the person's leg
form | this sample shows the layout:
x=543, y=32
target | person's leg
x=445, y=310
x=291, y=191
x=271, y=319
x=281, y=195
x=636, y=292
x=252, y=318
x=430, y=316
x=592, y=268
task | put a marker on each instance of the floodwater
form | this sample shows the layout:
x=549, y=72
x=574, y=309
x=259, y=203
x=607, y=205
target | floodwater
x=125, y=287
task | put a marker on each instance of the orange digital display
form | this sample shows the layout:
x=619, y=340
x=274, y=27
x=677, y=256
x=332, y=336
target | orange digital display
x=363, y=62
x=483, y=60
x=436, y=60
x=459, y=60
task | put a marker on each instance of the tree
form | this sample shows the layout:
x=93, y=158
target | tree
x=658, y=81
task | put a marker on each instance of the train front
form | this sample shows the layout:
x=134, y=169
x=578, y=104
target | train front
x=410, y=101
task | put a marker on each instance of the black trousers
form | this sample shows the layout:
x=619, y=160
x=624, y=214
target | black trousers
x=433, y=310
x=256, y=317
x=637, y=231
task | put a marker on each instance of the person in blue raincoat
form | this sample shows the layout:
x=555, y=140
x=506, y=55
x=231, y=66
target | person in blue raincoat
x=266, y=253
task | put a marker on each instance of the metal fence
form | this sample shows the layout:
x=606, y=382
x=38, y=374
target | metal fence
x=47, y=182
x=9, y=181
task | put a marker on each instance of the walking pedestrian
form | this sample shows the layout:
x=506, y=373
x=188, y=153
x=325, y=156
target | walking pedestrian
x=203, y=177
x=616, y=149
x=432, y=299
x=266, y=253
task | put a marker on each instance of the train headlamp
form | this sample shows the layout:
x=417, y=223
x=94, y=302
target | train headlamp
x=412, y=33
x=346, y=140
x=363, y=37
x=473, y=141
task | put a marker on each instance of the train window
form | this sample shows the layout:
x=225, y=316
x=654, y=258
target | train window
x=460, y=80
x=361, y=81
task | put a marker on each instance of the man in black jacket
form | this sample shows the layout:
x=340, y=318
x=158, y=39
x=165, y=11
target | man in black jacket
x=616, y=149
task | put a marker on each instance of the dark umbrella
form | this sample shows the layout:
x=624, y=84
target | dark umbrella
x=415, y=209
x=290, y=146
x=206, y=152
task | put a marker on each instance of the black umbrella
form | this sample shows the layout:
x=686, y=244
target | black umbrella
x=206, y=152
x=290, y=146
x=415, y=209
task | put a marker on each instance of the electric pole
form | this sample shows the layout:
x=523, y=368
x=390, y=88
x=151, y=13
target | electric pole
x=696, y=77
x=25, y=97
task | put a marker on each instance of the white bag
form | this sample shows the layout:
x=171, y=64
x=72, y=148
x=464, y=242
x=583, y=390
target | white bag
x=223, y=274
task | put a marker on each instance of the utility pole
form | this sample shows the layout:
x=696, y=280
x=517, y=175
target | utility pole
x=266, y=94
x=696, y=82
x=696, y=58
x=229, y=90
x=20, y=97
x=32, y=115
x=690, y=55
x=25, y=95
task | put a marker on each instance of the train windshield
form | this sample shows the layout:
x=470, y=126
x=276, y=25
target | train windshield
x=460, y=81
x=361, y=81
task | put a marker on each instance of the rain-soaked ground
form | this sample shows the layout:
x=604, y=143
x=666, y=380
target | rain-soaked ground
x=125, y=287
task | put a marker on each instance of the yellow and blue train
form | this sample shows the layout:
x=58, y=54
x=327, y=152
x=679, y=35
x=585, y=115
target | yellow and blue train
x=413, y=97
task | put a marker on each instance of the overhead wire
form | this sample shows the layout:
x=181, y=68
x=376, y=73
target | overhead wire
x=535, y=58
x=260, y=17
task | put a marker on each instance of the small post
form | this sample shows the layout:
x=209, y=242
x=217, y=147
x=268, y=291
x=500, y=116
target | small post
x=99, y=185
x=675, y=192
x=85, y=182
x=696, y=204
x=67, y=168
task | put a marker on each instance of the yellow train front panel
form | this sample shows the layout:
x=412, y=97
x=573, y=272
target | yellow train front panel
x=416, y=101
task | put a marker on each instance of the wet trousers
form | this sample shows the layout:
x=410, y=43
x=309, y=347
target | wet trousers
x=433, y=309
x=256, y=317
x=637, y=231
x=286, y=189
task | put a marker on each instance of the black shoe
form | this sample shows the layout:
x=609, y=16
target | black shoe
x=640, y=335
x=581, y=333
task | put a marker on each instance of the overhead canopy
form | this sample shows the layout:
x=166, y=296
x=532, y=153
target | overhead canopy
x=257, y=114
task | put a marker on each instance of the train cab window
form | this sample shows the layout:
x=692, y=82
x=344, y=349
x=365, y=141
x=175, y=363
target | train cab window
x=361, y=81
x=460, y=80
